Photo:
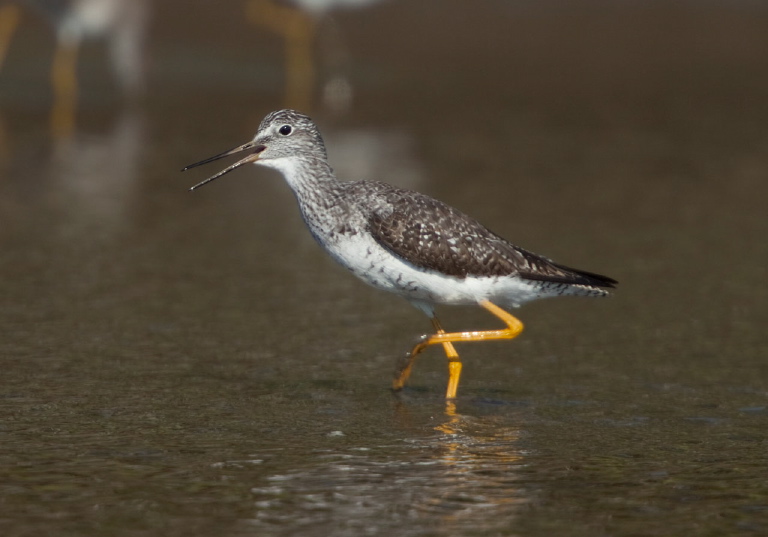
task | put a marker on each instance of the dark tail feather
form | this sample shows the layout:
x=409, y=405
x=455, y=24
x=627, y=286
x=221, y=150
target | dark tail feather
x=575, y=277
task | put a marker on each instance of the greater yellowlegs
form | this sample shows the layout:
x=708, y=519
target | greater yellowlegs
x=408, y=243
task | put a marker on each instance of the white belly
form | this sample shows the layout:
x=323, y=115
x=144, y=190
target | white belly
x=378, y=267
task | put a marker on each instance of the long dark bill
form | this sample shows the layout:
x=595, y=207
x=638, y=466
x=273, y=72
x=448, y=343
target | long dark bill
x=253, y=157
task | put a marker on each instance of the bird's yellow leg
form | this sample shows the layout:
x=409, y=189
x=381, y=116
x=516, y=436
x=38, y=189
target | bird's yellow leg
x=9, y=20
x=405, y=370
x=514, y=327
x=450, y=351
x=454, y=363
x=64, y=81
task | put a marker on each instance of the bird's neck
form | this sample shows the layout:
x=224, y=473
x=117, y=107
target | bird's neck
x=305, y=175
x=322, y=198
x=313, y=183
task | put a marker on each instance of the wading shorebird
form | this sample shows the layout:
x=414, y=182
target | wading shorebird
x=407, y=243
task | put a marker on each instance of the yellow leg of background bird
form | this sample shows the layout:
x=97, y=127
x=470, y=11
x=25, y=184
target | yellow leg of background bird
x=9, y=20
x=514, y=327
x=10, y=15
x=64, y=81
x=297, y=29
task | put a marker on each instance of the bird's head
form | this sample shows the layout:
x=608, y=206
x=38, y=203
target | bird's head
x=283, y=137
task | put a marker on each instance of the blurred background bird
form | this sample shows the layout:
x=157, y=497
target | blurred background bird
x=122, y=24
x=297, y=22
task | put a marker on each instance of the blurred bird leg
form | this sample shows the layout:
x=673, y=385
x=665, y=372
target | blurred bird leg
x=9, y=20
x=64, y=81
x=297, y=28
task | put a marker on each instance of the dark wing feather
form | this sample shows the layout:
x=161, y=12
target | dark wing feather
x=432, y=235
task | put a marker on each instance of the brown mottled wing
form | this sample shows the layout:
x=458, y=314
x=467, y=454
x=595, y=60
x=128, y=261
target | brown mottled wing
x=432, y=235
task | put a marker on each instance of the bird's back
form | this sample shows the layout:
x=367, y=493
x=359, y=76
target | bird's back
x=432, y=235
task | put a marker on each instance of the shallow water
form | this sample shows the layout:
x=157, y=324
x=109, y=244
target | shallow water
x=179, y=363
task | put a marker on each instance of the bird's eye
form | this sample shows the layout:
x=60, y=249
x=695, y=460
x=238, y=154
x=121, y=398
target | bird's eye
x=285, y=130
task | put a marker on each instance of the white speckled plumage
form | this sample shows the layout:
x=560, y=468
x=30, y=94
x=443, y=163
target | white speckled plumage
x=399, y=240
x=435, y=256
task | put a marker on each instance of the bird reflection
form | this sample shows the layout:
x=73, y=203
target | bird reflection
x=462, y=480
x=479, y=459
x=121, y=23
x=298, y=27
x=98, y=203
